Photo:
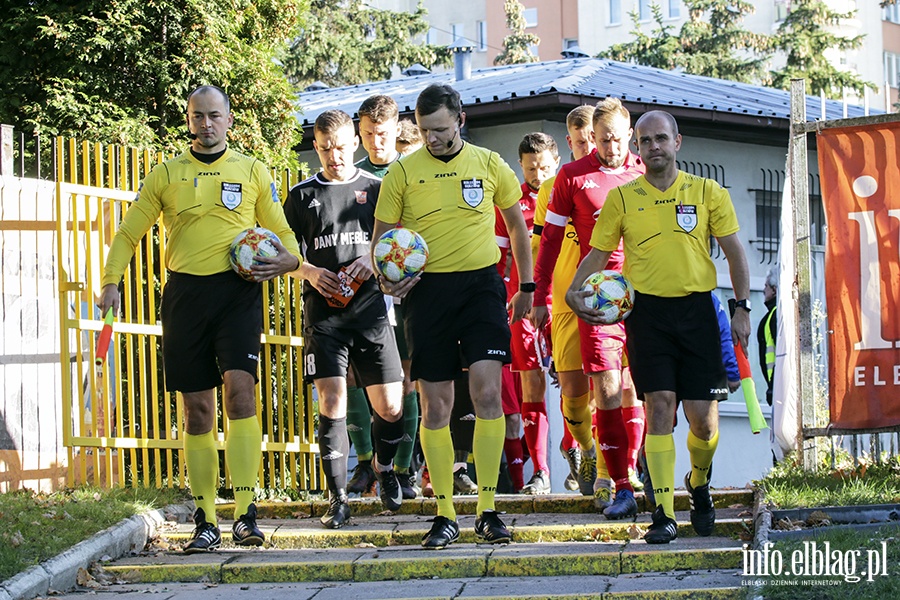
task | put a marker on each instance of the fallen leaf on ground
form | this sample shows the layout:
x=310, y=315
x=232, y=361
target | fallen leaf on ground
x=86, y=580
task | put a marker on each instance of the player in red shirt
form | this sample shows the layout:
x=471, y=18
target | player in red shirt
x=578, y=194
x=539, y=159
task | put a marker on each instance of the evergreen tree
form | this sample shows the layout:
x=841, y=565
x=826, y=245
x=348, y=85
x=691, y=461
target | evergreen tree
x=713, y=43
x=659, y=49
x=806, y=37
x=344, y=42
x=118, y=71
x=516, y=45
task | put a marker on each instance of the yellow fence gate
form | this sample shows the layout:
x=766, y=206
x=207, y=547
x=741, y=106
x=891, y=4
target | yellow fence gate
x=120, y=426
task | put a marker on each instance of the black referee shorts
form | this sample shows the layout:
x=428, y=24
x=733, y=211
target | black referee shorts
x=674, y=345
x=454, y=320
x=210, y=324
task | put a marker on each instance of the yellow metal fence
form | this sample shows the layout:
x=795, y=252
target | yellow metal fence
x=121, y=427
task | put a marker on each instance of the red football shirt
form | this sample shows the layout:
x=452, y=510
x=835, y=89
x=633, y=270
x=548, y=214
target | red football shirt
x=578, y=194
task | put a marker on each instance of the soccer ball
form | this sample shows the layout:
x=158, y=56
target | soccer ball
x=400, y=253
x=249, y=245
x=611, y=294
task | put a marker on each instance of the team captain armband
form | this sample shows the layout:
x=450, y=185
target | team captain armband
x=349, y=285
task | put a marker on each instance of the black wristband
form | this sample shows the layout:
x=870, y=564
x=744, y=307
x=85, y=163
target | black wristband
x=528, y=288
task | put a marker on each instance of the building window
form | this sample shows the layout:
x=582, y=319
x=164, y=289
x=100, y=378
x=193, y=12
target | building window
x=892, y=69
x=534, y=50
x=531, y=17
x=481, y=26
x=782, y=8
x=674, y=9
x=456, y=31
x=768, y=213
x=891, y=13
x=615, y=12
x=431, y=37
x=569, y=43
x=644, y=12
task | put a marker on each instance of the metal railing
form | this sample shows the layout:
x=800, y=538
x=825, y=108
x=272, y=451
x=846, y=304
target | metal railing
x=121, y=427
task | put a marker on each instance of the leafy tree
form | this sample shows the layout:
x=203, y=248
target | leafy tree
x=711, y=43
x=714, y=44
x=517, y=45
x=805, y=37
x=659, y=49
x=118, y=71
x=345, y=42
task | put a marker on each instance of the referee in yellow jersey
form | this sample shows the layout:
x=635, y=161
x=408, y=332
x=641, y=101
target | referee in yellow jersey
x=665, y=218
x=211, y=318
x=455, y=313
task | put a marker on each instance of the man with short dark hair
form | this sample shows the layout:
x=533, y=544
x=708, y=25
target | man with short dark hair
x=539, y=159
x=378, y=130
x=409, y=139
x=211, y=318
x=665, y=219
x=455, y=311
x=344, y=316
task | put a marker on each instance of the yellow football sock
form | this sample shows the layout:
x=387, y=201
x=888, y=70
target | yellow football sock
x=202, y=461
x=602, y=471
x=577, y=413
x=487, y=447
x=243, y=454
x=437, y=445
x=702, y=452
x=660, y=451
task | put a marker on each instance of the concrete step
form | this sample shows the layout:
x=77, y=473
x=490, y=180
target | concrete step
x=390, y=529
x=719, y=584
x=461, y=560
x=465, y=505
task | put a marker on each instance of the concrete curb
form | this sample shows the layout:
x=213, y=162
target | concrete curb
x=762, y=519
x=59, y=573
x=762, y=525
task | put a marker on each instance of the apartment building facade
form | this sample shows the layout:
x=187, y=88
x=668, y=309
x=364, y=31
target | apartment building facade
x=594, y=25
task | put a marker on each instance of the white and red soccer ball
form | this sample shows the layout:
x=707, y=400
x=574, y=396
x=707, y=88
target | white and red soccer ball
x=400, y=253
x=248, y=246
x=611, y=294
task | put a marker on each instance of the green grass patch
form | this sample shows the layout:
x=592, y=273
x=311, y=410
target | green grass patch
x=788, y=485
x=868, y=563
x=36, y=527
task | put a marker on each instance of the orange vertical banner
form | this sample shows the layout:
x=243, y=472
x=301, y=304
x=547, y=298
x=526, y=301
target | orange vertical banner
x=859, y=169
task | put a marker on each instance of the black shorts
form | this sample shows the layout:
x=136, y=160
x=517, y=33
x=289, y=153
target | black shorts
x=328, y=351
x=210, y=324
x=454, y=320
x=674, y=345
x=400, y=332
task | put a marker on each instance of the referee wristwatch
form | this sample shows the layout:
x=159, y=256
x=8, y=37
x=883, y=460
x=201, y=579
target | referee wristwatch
x=745, y=304
x=528, y=288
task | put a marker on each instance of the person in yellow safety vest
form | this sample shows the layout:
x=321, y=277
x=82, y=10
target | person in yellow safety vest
x=766, y=332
